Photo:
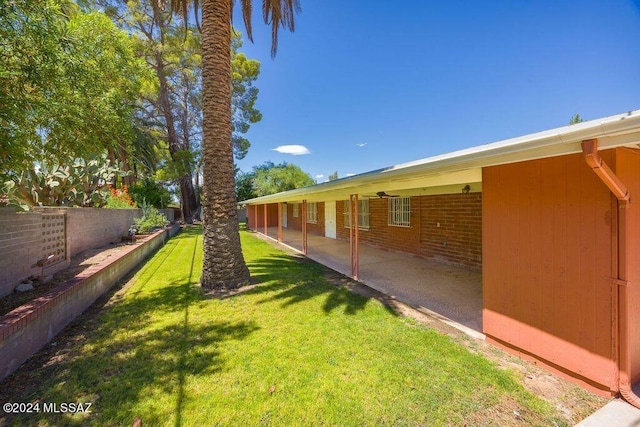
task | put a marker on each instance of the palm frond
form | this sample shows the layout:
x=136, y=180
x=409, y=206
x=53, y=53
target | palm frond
x=279, y=13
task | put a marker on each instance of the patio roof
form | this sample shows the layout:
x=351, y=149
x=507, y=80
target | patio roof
x=449, y=173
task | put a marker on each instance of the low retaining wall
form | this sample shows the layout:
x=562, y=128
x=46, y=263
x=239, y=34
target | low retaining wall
x=28, y=328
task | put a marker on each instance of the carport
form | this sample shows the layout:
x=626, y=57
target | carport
x=450, y=293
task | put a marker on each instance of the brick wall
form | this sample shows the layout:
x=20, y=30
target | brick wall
x=296, y=223
x=254, y=221
x=457, y=239
x=451, y=228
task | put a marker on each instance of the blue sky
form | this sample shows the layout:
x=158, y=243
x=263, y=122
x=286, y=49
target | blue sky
x=365, y=84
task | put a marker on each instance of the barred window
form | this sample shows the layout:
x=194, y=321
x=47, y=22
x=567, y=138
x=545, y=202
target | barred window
x=400, y=211
x=312, y=212
x=363, y=213
x=296, y=210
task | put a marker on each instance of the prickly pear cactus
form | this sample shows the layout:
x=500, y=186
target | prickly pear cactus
x=78, y=182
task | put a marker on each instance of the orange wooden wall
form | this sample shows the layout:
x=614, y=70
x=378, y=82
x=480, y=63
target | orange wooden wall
x=547, y=247
x=627, y=168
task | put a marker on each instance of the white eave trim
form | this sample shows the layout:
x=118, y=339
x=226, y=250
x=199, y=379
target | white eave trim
x=613, y=131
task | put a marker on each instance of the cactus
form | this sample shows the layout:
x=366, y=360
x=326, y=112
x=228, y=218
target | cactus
x=79, y=182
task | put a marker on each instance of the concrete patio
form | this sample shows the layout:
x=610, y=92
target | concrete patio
x=450, y=293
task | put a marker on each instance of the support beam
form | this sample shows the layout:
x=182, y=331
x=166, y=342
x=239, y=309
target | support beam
x=255, y=218
x=354, y=238
x=304, y=226
x=266, y=222
x=280, y=222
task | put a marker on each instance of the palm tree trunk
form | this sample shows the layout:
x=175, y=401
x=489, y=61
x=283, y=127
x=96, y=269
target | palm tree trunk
x=223, y=265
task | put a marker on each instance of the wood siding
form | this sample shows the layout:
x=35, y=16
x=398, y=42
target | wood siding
x=547, y=248
x=627, y=168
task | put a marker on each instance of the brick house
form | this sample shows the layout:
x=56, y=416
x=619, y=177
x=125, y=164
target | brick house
x=551, y=220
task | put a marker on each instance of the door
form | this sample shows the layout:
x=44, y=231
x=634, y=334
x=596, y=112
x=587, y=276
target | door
x=284, y=215
x=330, y=219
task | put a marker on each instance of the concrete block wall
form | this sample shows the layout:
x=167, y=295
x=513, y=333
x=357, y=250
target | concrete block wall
x=446, y=227
x=21, y=238
x=20, y=247
x=90, y=228
x=169, y=213
x=28, y=328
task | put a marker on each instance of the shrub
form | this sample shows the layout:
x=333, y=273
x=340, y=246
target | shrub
x=119, y=199
x=151, y=192
x=151, y=218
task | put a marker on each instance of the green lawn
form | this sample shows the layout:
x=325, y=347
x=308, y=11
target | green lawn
x=295, y=350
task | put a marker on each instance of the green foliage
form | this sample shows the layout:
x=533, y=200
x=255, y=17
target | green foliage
x=119, y=199
x=77, y=182
x=333, y=176
x=576, y=119
x=270, y=178
x=244, y=186
x=151, y=192
x=150, y=219
x=244, y=73
x=68, y=83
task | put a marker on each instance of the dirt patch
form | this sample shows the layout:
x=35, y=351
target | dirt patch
x=79, y=263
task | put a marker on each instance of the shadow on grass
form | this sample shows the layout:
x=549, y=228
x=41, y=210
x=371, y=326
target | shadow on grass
x=131, y=358
x=142, y=348
x=295, y=279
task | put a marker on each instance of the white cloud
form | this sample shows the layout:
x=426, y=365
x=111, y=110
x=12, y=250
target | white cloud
x=320, y=176
x=295, y=150
x=362, y=144
x=350, y=174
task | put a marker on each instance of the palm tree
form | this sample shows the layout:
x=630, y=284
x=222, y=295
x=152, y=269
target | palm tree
x=224, y=265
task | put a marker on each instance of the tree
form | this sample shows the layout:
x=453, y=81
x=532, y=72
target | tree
x=244, y=186
x=172, y=49
x=223, y=263
x=333, y=176
x=68, y=83
x=269, y=178
x=576, y=119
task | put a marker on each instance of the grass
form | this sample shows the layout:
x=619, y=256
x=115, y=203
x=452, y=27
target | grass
x=294, y=350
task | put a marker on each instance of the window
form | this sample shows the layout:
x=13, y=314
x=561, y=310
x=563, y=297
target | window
x=312, y=212
x=400, y=211
x=296, y=210
x=363, y=213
